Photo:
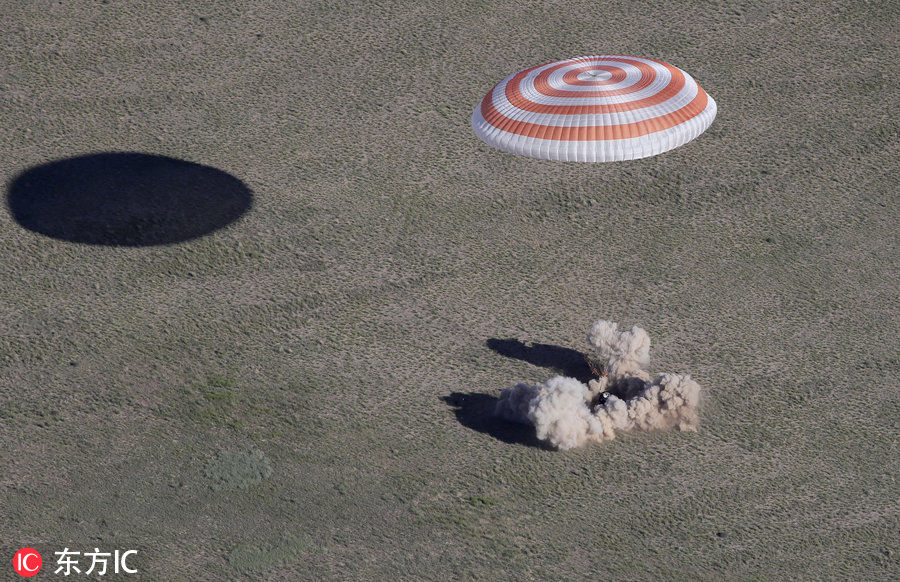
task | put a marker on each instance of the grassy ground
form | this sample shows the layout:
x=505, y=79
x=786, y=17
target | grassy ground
x=304, y=394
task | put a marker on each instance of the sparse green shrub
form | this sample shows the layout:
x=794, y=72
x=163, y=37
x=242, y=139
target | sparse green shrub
x=237, y=470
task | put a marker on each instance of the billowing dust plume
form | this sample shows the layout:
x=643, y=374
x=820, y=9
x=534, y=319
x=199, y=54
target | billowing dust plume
x=567, y=413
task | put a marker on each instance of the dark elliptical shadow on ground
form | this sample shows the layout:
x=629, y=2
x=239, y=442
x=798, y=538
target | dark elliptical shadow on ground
x=476, y=411
x=564, y=361
x=126, y=199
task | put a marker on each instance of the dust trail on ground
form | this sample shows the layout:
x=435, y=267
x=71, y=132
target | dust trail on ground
x=568, y=413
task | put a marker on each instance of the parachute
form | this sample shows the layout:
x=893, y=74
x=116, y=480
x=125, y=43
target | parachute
x=594, y=109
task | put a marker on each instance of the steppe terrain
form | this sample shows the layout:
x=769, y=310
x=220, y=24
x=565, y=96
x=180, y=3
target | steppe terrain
x=300, y=386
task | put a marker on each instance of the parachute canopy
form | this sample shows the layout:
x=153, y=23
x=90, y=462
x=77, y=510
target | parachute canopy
x=594, y=109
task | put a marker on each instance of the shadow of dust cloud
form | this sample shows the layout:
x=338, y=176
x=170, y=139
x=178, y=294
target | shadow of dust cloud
x=476, y=411
x=126, y=199
x=560, y=360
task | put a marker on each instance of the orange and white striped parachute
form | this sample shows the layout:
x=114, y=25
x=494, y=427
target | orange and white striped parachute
x=594, y=109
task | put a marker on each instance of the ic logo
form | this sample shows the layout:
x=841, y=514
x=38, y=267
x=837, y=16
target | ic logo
x=27, y=562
